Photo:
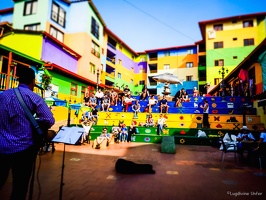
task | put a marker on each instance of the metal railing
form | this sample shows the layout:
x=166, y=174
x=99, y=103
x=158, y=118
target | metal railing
x=13, y=81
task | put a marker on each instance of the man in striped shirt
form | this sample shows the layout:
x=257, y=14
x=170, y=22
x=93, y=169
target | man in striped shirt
x=16, y=136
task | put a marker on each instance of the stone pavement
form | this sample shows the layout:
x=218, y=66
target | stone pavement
x=194, y=172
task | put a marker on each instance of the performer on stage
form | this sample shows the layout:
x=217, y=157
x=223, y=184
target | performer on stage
x=17, y=150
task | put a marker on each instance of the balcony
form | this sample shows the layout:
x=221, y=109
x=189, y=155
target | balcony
x=153, y=71
x=13, y=81
x=112, y=46
x=153, y=59
x=112, y=60
x=95, y=52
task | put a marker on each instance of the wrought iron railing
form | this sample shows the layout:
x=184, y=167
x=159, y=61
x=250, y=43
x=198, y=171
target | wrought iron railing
x=5, y=84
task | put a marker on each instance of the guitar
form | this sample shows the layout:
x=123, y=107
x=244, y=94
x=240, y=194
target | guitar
x=40, y=136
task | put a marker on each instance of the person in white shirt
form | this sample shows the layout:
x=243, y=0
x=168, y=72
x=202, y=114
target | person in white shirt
x=128, y=101
x=152, y=102
x=99, y=96
x=160, y=124
x=87, y=127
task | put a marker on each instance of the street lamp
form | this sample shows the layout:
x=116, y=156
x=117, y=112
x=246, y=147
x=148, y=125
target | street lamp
x=98, y=74
x=223, y=71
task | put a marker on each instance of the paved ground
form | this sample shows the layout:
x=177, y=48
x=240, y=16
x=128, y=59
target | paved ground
x=194, y=172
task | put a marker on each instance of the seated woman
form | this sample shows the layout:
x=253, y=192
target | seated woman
x=149, y=121
x=152, y=102
x=195, y=92
x=185, y=97
x=144, y=94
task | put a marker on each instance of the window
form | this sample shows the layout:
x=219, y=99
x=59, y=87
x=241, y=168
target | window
x=234, y=57
x=32, y=27
x=248, y=42
x=218, y=45
x=216, y=81
x=94, y=28
x=56, y=34
x=190, y=51
x=218, y=27
x=131, y=81
x=167, y=53
x=248, y=23
x=142, y=82
x=30, y=7
x=58, y=15
x=92, y=68
x=74, y=89
x=95, y=49
x=120, y=48
x=219, y=62
x=119, y=75
x=166, y=66
x=119, y=61
x=188, y=78
x=189, y=64
x=234, y=39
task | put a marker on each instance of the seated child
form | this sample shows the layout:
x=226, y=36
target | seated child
x=123, y=134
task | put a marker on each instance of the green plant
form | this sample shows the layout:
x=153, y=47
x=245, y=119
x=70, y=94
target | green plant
x=46, y=81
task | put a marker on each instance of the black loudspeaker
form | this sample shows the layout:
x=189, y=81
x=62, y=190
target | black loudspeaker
x=128, y=167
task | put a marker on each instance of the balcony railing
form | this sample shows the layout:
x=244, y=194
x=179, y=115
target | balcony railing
x=112, y=60
x=110, y=75
x=13, y=81
x=153, y=59
x=112, y=46
x=94, y=52
x=153, y=71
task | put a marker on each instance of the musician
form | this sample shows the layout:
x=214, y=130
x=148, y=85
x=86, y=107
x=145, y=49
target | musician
x=17, y=150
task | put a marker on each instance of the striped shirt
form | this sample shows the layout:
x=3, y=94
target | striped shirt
x=15, y=128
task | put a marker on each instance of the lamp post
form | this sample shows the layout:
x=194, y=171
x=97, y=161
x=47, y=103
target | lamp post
x=223, y=71
x=69, y=113
x=97, y=83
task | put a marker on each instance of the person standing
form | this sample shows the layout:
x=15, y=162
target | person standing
x=205, y=114
x=160, y=124
x=17, y=150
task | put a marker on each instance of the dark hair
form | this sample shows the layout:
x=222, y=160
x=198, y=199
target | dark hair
x=26, y=75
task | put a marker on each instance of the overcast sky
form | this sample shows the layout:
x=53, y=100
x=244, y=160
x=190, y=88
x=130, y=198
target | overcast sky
x=151, y=24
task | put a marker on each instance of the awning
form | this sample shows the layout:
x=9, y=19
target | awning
x=52, y=101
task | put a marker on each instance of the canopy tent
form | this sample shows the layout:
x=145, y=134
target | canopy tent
x=52, y=101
